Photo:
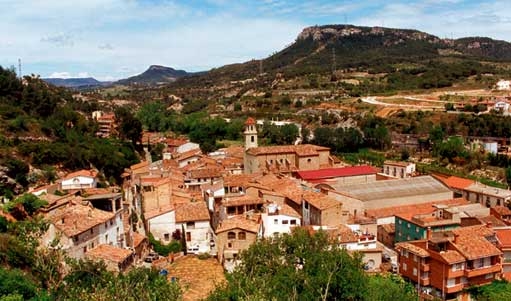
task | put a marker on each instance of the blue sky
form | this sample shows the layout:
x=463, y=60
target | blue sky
x=112, y=39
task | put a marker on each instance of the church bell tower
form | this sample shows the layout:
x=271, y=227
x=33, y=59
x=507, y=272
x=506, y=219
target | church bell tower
x=250, y=133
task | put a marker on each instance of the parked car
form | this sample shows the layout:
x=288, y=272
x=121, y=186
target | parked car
x=151, y=257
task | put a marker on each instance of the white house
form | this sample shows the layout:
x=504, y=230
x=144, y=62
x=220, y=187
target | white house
x=503, y=85
x=79, y=180
x=398, y=169
x=161, y=223
x=502, y=106
x=188, y=146
x=194, y=218
x=279, y=219
x=79, y=228
x=191, y=217
x=188, y=157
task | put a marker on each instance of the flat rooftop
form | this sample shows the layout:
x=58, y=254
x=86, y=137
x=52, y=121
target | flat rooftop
x=398, y=188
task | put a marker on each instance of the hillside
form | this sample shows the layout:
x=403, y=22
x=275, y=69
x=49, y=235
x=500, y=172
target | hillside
x=154, y=75
x=87, y=82
x=345, y=48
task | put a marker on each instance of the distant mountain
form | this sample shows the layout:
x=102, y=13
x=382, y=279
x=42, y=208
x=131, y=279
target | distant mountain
x=75, y=83
x=373, y=49
x=154, y=75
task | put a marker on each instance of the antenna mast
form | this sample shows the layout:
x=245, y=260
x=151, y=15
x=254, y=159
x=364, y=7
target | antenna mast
x=19, y=69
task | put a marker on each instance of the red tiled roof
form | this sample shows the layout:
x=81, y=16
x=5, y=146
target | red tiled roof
x=504, y=237
x=191, y=212
x=250, y=121
x=81, y=173
x=300, y=150
x=502, y=210
x=336, y=172
x=454, y=182
x=238, y=222
x=138, y=239
x=110, y=253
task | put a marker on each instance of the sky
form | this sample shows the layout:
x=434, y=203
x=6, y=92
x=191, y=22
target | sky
x=113, y=39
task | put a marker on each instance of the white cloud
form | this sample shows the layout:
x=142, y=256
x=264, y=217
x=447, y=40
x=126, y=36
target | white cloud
x=83, y=74
x=60, y=75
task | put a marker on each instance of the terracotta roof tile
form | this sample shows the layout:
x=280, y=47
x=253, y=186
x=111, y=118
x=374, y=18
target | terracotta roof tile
x=410, y=247
x=76, y=219
x=394, y=163
x=242, y=200
x=190, y=212
x=451, y=256
x=473, y=247
x=159, y=211
x=502, y=210
x=299, y=150
x=328, y=173
x=454, y=182
x=138, y=239
x=250, y=121
x=139, y=165
x=205, y=173
x=389, y=228
x=197, y=277
x=319, y=200
x=477, y=230
x=238, y=222
x=109, y=253
x=189, y=154
x=81, y=173
x=504, y=237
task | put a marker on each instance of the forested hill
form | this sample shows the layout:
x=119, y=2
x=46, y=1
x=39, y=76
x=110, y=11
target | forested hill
x=319, y=49
x=43, y=129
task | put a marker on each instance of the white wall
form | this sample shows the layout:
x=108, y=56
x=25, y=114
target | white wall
x=162, y=224
x=270, y=227
x=79, y=182
x=200, y=235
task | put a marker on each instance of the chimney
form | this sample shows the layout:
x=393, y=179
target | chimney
x=428, y=233
x=489, y=225
x=456, y=237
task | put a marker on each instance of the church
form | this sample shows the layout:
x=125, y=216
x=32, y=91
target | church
x=282, y=158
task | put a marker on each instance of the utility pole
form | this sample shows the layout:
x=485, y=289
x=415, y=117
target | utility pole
x=19, y=69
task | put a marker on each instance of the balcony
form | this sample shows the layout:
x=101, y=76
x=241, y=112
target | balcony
x=454, y=288
x=424, y=267
x=425, y=281
x=483, y=270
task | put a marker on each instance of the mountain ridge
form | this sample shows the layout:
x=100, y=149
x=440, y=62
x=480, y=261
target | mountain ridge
x=154, y=75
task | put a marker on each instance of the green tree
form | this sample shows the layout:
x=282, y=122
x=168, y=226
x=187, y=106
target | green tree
x=30, y=203
x=130, y=127
x=300, y=266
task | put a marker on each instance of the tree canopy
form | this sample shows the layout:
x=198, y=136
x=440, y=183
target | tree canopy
x=305, y=266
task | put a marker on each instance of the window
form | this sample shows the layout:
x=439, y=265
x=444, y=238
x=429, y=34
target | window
x=242, y=235
x=188, y=236
x=408, y=225
x=457, y=267
x=166, y=236
x=92, y=231
x=276, y=221
x=451, y=282
x=85, y=249
x=231, y=210
x=405, y=267
x=285, y=222
x=309, y=160
x=106, y=237
x=414, y=257
x=111, y=222
x=306, y=205
x=488, y=276
x=417, y=230
x=293, y=222
x=231, y=235
x=415, y=271
x=251, y=138
x=190, y=225
x=229, y=245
